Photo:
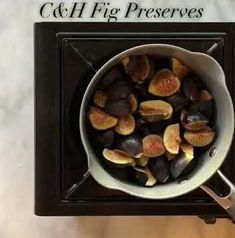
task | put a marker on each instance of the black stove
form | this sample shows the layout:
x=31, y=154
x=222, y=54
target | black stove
x=67, y=55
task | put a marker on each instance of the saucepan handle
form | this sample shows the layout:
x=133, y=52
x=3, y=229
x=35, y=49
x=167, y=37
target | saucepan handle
x=228, y=202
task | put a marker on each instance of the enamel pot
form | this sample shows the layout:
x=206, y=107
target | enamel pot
x=213, y=77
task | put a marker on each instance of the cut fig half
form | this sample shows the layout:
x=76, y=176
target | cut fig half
x=101, y=120
x=171, y=138
x=179, y=69
x=125, y=125
x=164, y=83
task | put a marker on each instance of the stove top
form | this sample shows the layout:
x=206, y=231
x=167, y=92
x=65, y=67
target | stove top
x=67, y=55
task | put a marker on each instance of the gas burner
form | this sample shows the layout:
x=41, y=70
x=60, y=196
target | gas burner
x=67, y=55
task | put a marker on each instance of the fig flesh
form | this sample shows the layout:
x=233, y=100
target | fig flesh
x=164, y=83
x=142, y=161
x=155, y=110
x=133, y=103
x=99, y=99
x=125, y=125
x=171, y=138
x=101, y=120
x=153, y=146
x=178, y=68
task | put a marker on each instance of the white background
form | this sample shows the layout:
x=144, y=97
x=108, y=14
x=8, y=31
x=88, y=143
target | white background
x=17, y=140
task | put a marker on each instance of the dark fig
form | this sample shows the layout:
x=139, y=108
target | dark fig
x=205, y=95
x=122, y=173
x=191, y=90
x=164, y=83
x=114, y=74
x=99, y=98
x=158, y=127
x=155, y=110
x=179, y=164
x=133, y=103
x=177, y=101
x=116, y=157
x=131, y=144
x=153, y=146
x=207, y=108
x=200, y=138
x=125, y=125
x=160, y=169
x=144, y=177
x=119, y=90
x=137, y=66
x=101, y=120
x=169, y=156
x=171, y=138
x=106, y=138
x=179, y=69
x=193, y=120
x=142, y=161
x=118, y=108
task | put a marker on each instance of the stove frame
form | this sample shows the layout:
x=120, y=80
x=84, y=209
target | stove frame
x=50, y=38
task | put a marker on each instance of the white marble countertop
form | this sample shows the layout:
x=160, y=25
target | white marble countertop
x=17, y=219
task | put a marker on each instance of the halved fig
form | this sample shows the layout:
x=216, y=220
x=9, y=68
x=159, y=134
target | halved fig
x=125, y=125
x=193, y=120
x=177, y=101
x=169, y=156
x=205, y=95
x=191, y=90
x=179, y=69
x=155, y=110
x=200, y=138
x=171, y=138
x=119, y=89
x=99, y=99
x=118, y=108
x=101, y=120
x=160, y=169
x=144, y=177
x=179, y=164
x=142, y=161
x=164, y=83
x=153, y=146
x=137, y=66
x=106, y=138
x=116, y=157
x=114, y=74
x=133, y=103
x=131, y=144
x=187, y=149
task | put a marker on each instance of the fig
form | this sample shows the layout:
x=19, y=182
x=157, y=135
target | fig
x=114, y=74
x=138, y=67
x=187, y=149
x=144, y=177
x=142, y=161
x=119, y=90
x=101, y=120
x=207, y=108
x=133, y=103
x=153, y=146
x=125, y=125
x=200, y=138
x=116, y=157
x=118, y=108
x=205, y=96
x=122, y=173
x=179, y=164
x=99, y=99
x=191, y=90
x=106, y=138
x=169, y=156
x=160, y=168
x=131, y=144
x=193, y=120
x=158, y=127
x=171, y=138
x=177, y=101
x=179, y=69
x=155, y=110
x=164, y=83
